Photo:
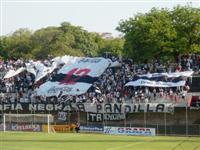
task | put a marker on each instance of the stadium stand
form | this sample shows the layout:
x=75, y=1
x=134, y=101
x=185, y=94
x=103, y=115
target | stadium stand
x=21, y=79
x=108, y=88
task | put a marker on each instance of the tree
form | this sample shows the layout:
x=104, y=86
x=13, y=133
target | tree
x=56, y=41
x=50, y=41
x=186, y=21
x=63, y=40
x=2, y=48
x=18, y=44
x=114, y=46
x=83, y=40
x=161, y=32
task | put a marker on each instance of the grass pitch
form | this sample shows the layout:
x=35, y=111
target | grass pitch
x=72, y=141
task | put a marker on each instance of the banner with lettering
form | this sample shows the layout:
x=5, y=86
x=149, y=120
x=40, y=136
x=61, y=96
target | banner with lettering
x=175, y=79
x=86, y=107
x=169, y=75
x=21, y=127
x=75, y=79
x=99, y=117
x=130, y=131
x=149, y=83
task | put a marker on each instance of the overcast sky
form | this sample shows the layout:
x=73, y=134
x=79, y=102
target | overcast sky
x=99, y=16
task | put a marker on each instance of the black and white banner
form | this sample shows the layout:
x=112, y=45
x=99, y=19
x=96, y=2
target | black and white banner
x=85, y=107
x=41, y=69
x=99, y=117
x=161, y=79
x=75, y=79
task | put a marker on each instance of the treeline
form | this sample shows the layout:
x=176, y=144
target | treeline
x=160, y=33
x=57, y=41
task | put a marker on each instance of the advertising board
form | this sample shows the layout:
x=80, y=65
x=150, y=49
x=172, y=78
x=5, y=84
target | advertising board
x=91, y=128
x=130, y=131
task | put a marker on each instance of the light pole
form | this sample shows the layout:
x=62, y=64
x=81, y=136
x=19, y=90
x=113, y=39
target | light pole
x=186, y=116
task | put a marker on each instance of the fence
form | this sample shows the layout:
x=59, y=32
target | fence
x=183, y=121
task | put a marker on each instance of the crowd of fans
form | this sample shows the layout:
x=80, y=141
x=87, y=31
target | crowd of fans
x=109, y=87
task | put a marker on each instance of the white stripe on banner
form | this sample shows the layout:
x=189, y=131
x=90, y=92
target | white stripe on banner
x=143, y=82
x=169, y=75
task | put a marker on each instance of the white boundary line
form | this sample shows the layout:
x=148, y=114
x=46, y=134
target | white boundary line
x=69, y=135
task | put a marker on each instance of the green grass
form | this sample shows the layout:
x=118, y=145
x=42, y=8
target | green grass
x=72, y=141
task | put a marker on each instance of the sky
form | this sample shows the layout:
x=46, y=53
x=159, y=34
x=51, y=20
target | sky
x=94, y=16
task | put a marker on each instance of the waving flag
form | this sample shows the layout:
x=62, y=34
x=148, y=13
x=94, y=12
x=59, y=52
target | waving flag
x=175, y=79
x=75, y=79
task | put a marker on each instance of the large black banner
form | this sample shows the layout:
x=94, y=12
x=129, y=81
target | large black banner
x=99, y=117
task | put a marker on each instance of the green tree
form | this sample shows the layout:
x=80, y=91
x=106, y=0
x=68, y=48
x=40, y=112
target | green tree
x=49, y=41
x=18, y=44
x=161, y=33
x=186, y=21
x=3, y=54
x=63, y=40
x=83, y=40
x=114, y=46
x=57, y=41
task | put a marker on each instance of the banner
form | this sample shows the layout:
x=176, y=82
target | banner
x=169, y=75
x=98, y=117
x=130, y=131
x=91, y=128
x=74, y=79
x=63, y=128
x=175, y=79
x=66, y=59
x=12, y=73
x=143, y=82
x=23, y=127
x=30, y=68
x=86, y=107
x=41, y=70
x=62, y=116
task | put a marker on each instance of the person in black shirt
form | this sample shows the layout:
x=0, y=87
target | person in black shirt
x=77, y=128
